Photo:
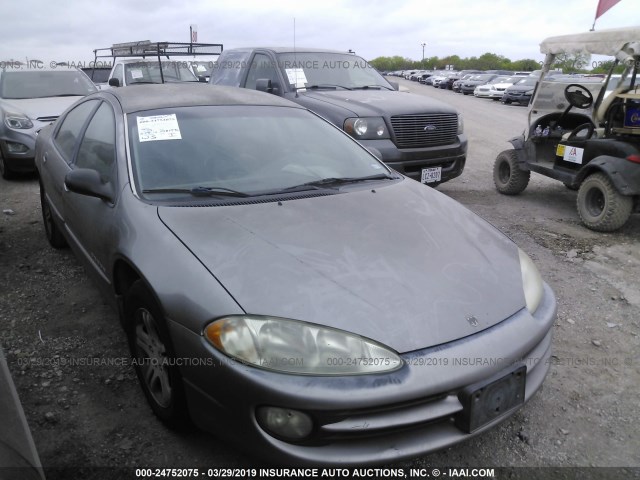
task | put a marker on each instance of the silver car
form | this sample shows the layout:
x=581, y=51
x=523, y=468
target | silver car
x=283, y=288
x=31, y=98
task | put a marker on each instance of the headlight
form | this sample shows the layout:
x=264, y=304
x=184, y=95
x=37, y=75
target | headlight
x=292, y=346
x=16, y=121
x=366, y=128
x=460, y=124
x=529, y=92
x=531, y=282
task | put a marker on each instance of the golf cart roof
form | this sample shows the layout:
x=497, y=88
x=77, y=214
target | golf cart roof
x=601, y=42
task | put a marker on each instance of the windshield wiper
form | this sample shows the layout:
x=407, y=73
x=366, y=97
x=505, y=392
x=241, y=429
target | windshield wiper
x=323, y=85
x=372, y=87
x=333, y=181
x=200, y=191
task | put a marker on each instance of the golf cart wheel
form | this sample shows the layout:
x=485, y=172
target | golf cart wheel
x=152, y=351
x=507, y=175
x=600, y=206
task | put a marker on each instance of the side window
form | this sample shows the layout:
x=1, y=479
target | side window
x=67, y=136
x=261, y=67
x=97, y=149
x=118, y=73
x=229, y=67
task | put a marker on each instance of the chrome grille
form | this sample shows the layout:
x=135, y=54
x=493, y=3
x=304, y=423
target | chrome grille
x=47, y=119
x=429, y=130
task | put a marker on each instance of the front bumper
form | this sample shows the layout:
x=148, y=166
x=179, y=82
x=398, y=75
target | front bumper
x=411, y=161
x=368, y=419
x=521, y=98
x=19, y=150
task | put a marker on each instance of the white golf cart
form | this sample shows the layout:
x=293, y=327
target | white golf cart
x=584, y=131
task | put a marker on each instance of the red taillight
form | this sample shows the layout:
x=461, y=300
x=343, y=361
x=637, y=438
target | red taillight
x=634, y=158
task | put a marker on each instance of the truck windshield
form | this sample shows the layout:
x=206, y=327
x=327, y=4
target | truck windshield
x=149, y=72
x=329, y=70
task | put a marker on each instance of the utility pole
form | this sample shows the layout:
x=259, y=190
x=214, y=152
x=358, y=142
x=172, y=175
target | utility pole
x=423, y=45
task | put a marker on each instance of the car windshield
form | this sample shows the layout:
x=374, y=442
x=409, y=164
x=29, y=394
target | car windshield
x=329, y=70
x=39, y=84
x=149, y=72
x=240, y=151
x=527, y=81
x=202, y=67
x=483, y=77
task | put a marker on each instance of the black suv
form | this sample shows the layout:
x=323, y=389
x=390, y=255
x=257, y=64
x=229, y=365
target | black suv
x=419, y=137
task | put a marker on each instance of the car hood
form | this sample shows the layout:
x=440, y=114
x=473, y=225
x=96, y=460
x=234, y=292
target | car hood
x=46, y=107
x=401, y=264
x=378, y=103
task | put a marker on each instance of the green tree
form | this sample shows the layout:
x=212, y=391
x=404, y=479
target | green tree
x=526, y=65
x=570, y=62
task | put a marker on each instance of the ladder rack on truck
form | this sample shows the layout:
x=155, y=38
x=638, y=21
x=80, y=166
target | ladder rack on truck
x=147, y=48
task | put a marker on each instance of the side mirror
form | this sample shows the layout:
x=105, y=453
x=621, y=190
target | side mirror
x=395, y=85
x=265, y=85
x=85, y=181
x=114, y=82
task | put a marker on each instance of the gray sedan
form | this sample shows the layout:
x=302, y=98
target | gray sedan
x=283, y=288
x=30, y=99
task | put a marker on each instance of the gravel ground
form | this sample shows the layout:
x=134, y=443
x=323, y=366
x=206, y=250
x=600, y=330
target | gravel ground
x=57, y=333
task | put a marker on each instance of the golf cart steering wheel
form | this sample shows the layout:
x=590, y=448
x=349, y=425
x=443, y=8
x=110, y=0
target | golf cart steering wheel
x=579, y=97
x=589, y=127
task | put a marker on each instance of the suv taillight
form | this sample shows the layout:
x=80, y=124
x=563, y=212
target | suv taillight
x=634, y=158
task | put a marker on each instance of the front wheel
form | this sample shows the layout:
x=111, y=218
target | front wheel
x=5, y=171
x=507, y=175
x=600, y=206
x=154, y=358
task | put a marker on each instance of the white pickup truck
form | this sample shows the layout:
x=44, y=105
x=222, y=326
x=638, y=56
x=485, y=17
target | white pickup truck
x=158, y=62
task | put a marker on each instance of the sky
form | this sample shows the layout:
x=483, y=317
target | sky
x=69, y=30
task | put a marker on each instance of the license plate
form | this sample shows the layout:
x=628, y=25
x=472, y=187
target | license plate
x=430, y=175
x=486, y=402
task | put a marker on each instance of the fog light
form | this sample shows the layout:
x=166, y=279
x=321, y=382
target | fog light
x=285, y=422
x=14, y=147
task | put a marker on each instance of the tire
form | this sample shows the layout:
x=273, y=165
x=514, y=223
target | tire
x=52, y=232
x=152, y=351
x=5, y=172
x=507, y=176
x=600, y=206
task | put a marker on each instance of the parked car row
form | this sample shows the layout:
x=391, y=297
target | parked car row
x=508, y=87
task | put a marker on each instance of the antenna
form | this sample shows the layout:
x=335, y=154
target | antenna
x=295, y=59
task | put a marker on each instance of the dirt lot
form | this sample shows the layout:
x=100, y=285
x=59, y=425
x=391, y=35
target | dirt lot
x=57, y=333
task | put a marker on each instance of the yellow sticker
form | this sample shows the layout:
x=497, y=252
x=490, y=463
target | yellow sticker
x=560, y=150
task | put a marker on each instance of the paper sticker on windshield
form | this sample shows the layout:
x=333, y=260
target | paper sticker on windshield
x=573, y=154
x=296, y=77
x=158, y=127
x=136, y=74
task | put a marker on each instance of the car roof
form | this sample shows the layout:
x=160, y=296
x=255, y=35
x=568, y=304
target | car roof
x=135, y=98
x=601, y=42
